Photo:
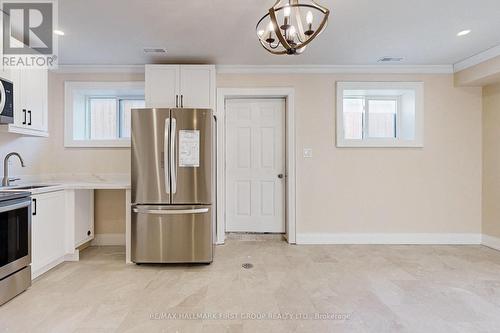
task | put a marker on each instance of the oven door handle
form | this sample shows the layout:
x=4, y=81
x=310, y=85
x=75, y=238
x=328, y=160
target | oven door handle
x=2, y=98
x=15, y=206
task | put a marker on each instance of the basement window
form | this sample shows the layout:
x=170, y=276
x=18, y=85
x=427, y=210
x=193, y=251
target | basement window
x=379, y=114
x=98, y=114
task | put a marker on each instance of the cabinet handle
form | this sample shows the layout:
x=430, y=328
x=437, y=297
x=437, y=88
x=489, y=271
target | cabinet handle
x=34, y=206
x=182, y=101
x=24, y=111
x=29, y=122
x=176, y=101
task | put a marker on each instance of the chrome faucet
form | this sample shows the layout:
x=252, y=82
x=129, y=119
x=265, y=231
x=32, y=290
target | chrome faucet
x=6, y=179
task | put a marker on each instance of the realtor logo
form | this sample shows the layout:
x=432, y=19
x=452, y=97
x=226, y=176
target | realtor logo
x=28, y=39
x=27, y=28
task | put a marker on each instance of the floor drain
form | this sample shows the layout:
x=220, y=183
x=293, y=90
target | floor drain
x=247, y=265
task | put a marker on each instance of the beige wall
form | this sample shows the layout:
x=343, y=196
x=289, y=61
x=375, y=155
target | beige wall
x=109, y=212
x=482, y=74
x=436, y=189
x=109, y=215
x=80, y=160
x=491, y=160
x=49, y=156
x=31, y=149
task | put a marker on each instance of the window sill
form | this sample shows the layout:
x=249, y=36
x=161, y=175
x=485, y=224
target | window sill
x=97, y=144
x=379, y=144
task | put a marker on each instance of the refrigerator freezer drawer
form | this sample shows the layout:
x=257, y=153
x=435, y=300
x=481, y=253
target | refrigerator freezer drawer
x=172, y=234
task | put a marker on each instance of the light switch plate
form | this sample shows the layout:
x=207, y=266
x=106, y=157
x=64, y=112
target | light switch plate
x=308, y=153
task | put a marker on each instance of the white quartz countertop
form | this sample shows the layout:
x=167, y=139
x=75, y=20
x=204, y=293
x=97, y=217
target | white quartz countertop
x=44, y=187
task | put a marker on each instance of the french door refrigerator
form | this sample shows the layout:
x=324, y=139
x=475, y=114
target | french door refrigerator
x=172, y=185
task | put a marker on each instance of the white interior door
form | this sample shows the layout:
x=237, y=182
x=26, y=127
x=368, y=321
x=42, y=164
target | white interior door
x=255, y=165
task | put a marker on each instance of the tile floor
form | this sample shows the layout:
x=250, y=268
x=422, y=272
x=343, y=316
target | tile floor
x=360, y=288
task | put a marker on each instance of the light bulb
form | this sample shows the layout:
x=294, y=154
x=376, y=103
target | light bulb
x=287, y=11
x=463, y=33
x=260, y=33
x=270, y=27
x=309, y=17
x=292, y=31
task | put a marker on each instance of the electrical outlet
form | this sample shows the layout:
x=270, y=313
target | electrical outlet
x=308, y=153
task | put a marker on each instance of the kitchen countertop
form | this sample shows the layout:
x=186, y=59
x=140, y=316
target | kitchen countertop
x=82, y=182
x=69, y=185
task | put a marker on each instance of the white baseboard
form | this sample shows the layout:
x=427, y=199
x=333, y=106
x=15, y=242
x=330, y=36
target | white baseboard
x=36, y=273
x=388, y=238
x=73, y=256
x=108, y=239
x=491, y=241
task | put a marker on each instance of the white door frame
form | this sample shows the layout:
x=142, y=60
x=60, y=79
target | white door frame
x=288, y=95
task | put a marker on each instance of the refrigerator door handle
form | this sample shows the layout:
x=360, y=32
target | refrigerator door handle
x=173, y=163
x=170, y=212
x=166, y=141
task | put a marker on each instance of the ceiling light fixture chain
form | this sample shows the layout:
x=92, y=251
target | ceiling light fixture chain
x=291, y=36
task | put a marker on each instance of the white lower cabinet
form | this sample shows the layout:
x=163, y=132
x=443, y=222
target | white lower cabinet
x=48, y=231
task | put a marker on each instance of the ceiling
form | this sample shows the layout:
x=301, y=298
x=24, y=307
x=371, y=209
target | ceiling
x=114, y=32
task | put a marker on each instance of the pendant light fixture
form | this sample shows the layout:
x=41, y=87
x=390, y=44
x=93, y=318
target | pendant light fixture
x=290, y=25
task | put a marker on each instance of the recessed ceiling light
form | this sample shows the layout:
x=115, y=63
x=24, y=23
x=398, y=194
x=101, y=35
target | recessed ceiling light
x=155, y=50
x=463, y=33
x=390, y=59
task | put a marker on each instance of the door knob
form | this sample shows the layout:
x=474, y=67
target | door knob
x=281, y=176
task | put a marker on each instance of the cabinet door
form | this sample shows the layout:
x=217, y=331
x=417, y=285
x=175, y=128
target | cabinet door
x=30, y=98
x=162, y=86
x=20, y=113
x=197, y=86
x=39, y=110
x=84, y=216
x=48, y=229
x=34, y=97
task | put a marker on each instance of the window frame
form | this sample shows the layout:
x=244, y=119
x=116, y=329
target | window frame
x=119, y=112
x=367, y=141
x=72, y=86
x=366, y=114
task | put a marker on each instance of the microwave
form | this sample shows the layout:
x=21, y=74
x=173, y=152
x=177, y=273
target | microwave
x=6, y=102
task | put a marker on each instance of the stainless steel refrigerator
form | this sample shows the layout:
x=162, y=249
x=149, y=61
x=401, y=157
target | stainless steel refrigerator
x=172, y=185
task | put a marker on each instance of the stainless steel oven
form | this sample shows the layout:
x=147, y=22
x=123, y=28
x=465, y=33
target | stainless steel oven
x=15, y=244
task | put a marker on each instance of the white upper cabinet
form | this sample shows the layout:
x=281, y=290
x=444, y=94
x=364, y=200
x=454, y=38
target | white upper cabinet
x=197, y=86
x=162, y=86
x=30, y=102
x=180, y=86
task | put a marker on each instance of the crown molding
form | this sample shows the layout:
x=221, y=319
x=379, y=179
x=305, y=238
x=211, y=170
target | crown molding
x=272, y=69
x=99, y=69
x=477, y=59
x=334, y=69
